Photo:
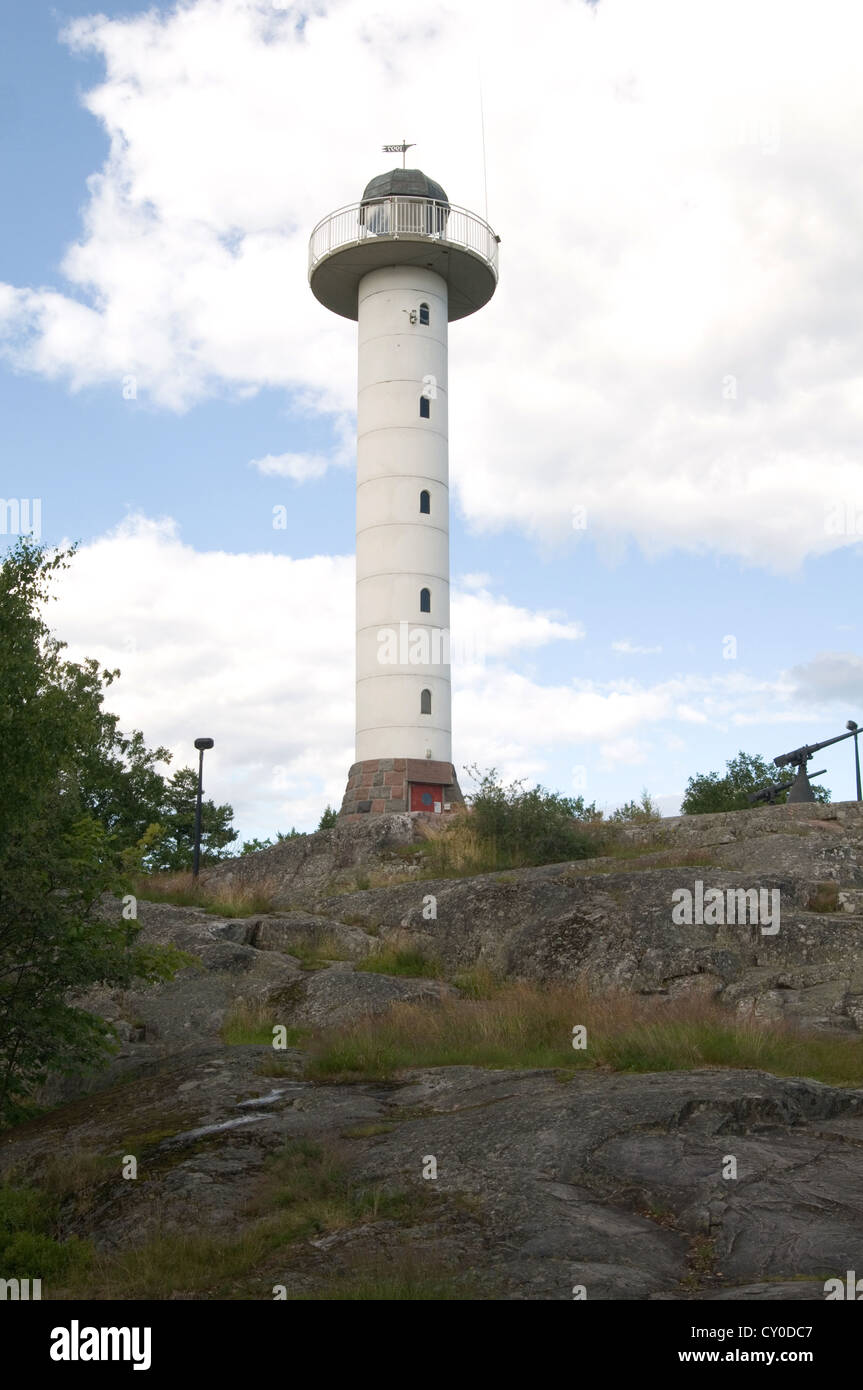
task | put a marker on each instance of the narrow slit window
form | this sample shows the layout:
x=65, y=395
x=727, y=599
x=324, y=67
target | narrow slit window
x=425, y=502
x=424, y=315
x=425, y=702
x=425, y=600
x=425, y=408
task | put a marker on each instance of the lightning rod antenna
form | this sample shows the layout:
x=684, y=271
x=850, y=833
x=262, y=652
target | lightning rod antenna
x=482, y=129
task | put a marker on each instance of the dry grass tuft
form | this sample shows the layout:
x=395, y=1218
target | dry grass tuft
x=250, y=1023
x=455, y=850
x=524, y=1025
x=228, y=900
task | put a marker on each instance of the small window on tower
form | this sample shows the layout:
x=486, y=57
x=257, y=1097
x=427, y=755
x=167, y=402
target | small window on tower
x=425, y=408
x=425, y=600
x=425, y=502
x=424, y=314
x=425, y=702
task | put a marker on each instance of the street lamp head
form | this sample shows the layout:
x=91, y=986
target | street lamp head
x=203, y=743
x=851, y=725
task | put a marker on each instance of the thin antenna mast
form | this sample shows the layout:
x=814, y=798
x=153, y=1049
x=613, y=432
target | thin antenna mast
x=482, y=128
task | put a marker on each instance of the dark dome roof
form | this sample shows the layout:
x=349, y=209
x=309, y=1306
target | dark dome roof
x=410, y=183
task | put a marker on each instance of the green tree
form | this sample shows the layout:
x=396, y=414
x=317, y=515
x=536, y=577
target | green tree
x=328, y=819
x=119, y=781
x=255, y=845
x=744, y=774
x=57, y=858
x=174, y=848
x=637, y=812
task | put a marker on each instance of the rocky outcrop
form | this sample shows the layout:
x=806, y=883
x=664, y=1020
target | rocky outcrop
x=809, y=841
x=616, y=930
x=705, y=1185
x=297, y=871
x=709, y=1184
x=606, y=923
x=340, y=994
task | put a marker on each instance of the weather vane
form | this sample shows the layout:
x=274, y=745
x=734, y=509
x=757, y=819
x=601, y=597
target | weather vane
x=399, y=149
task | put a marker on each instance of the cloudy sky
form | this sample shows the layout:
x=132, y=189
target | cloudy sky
x=655, y=426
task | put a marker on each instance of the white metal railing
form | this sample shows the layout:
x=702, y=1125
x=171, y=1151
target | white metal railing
x=412, y=218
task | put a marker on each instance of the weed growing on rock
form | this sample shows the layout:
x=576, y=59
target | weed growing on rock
x=405, y=960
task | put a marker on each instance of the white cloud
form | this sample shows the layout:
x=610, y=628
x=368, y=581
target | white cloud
x=222, y=645
x=227, y=646
x=676, y=343
x=478, y=580
x=631, y=649
x=299, y=467
x=623, y=750
x=485, y=627
x=833, y=677
x=688, y=715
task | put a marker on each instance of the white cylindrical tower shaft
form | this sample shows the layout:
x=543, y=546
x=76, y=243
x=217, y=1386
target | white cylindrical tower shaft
x=403, y=262
x=403, y=673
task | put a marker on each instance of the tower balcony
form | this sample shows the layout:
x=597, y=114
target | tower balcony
x=401, y=230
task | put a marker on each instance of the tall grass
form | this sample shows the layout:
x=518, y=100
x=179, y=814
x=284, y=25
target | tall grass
x=457, y=850
x=247, y=1024
x=526, y=1026
x=184, y=890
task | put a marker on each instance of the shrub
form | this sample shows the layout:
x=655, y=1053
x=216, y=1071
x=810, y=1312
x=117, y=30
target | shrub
x=509, y=827
x=641, y=812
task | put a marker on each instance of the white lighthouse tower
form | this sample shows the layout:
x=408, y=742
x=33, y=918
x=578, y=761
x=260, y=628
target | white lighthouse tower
x=404, y=262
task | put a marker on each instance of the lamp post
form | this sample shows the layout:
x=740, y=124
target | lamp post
x=200, y=744
x=854, y=730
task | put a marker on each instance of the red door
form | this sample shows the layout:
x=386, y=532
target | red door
x=425, y=796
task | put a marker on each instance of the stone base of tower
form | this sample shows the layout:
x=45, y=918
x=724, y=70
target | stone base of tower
x=384, y=785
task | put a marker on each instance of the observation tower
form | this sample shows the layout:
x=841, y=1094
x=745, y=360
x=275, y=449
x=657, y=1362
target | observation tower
x=403, y=262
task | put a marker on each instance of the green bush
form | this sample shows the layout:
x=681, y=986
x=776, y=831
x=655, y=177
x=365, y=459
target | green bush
x=529, y=826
